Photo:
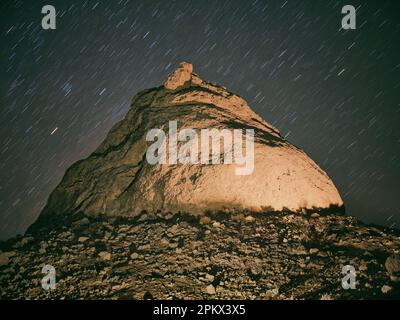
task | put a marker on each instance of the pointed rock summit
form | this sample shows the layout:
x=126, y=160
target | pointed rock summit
x=179, y=77
x=116, y=179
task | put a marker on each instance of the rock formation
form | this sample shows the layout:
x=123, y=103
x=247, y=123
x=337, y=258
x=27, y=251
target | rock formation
x=117, y=180
x=118, y=227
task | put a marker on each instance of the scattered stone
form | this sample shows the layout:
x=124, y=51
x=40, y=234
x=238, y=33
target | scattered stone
x=314, y=250
x=134, y=256
x=392, y=264
x=10, y=254
x=83, y=239
x=173, y=245
x=299, y=250
x=24, y=241
x=4, y=260
x=209, y=277
x=104, y=255
x=238, y=217
x=144, y=247
x=386, y=289
x=210, y=289
x=80, y=223
x=169, y=216
x=205, y=220
x=143, y=217
x=173, y=230
x=363, y=266
x=249, y=219
x=164, y=242
x=314, y=215
x=271, y=293
x=216, y=224
x=394, y=278
x=326, y=296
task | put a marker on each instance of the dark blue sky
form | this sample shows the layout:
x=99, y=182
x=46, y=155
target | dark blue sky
x=332, y=92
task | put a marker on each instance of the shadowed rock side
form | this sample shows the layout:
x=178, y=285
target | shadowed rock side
x=116, y=179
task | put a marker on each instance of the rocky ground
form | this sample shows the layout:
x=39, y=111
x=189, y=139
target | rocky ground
x=263, y=256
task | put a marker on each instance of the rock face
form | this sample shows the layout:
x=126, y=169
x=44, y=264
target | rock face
x=117, y=180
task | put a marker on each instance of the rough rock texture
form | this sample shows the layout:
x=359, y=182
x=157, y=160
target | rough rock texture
x=117, y=180
x=249, y=256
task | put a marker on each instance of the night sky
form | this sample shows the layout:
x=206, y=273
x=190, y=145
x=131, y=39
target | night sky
x=332, y=92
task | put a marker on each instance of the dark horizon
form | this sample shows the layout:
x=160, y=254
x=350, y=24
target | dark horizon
x=331, y=92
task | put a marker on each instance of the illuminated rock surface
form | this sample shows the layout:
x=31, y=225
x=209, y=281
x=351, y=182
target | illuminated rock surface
x=117, y=180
